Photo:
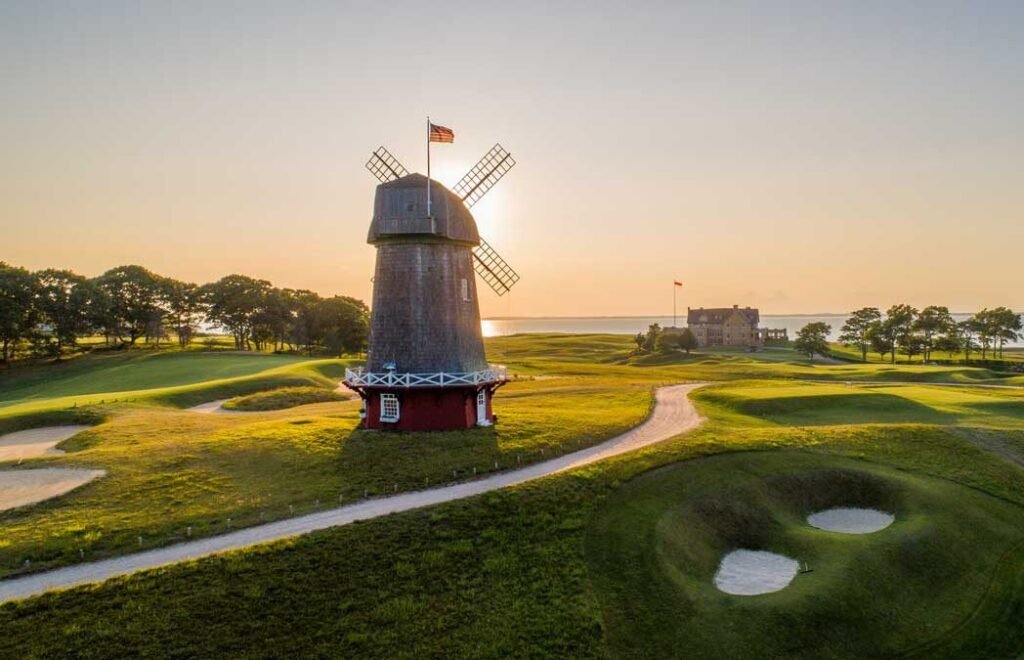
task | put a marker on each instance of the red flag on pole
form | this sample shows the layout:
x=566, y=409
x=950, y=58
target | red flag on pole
x=441, y=134
x=677, y=283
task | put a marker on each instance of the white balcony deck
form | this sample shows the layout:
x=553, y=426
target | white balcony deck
x=496, y=373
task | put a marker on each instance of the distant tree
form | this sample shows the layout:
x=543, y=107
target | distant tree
x=64, y=301
x=653, y=331
x=813, y=339
x=235, y=302
x=966, y=332
x=687, y=340
x=18, y=311
x=897, y=327
x=133, y=295
x=1006, y=327
x=639, y=340
x=666, y=343
x=879, y=340
x=911, y=344
x=305, y=325
x=857, y=329
x=344, y=324
x=985, y=325
x=949, y=344
x=184, y=309
x=932, y=322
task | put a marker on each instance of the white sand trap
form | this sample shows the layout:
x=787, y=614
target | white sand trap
x=753, y=572
x=21, y=487
x=851, y=521
x=211, y=407
x=35, y=442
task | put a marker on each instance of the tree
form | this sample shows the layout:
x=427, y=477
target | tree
x=911, y=344
x=653, y=331
x=879, y=340
x=344, y=324
x=813, y=338
x=1006, y=326
x=857, y=329
x=666, y=343
x=966, y=332
x=897, y=326
x=949, y=344
x=18, y=311
x=64, y=300
x=930, y=323
x=184, y=309
x=639, y=340
x=235, y=302
x=687, y=340
x=133, y=295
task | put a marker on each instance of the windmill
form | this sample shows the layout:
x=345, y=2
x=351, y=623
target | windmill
x=426, y=368
x=471, y=188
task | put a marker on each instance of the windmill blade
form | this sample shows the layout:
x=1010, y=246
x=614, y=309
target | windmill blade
x=493, y=269
x=495, y=164
x=384, y=166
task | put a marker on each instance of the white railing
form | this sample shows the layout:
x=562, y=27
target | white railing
x=360, y=378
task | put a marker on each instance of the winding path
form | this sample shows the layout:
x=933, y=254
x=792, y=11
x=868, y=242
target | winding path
x=673, y=414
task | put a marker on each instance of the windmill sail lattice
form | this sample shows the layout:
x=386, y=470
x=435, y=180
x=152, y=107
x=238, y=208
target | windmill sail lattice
x=384, y=166
x=495, y=164
x=493, y=269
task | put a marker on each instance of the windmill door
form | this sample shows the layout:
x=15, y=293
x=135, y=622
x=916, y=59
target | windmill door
x=481, y=409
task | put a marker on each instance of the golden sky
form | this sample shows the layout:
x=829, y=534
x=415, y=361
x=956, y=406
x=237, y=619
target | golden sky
x=802, y=158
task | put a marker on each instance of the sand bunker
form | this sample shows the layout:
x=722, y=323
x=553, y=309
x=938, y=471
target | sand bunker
x=851, y=521
x=21, y=487
x=753, y=572
x=211, y=407
x=35, y=442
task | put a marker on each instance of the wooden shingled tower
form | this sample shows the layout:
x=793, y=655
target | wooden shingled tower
x=426, y=369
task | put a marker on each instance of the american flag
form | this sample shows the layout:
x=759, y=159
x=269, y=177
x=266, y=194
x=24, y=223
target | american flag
x=441, y=134
x=677, y=283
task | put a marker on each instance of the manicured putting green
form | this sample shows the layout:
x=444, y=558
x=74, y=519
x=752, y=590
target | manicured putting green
x=946, y=578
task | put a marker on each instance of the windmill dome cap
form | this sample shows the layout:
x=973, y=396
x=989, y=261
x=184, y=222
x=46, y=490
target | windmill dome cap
x=400, y=212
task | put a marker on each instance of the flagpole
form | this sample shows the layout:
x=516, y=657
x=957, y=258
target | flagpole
x=428, y=166
x=675, y=322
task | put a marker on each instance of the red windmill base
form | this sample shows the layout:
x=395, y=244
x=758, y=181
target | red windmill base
x=426, y=402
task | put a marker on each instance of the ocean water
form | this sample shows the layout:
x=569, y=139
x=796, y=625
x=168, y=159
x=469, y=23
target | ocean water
x=630, y=325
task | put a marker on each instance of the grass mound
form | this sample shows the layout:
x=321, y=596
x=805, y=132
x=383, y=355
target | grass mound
x=284, y=397
x=656, y=545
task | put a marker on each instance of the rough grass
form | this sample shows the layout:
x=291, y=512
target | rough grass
x=656, y=545
x=169, y=469
x=504, y=574
x=285, y=397
x=501, y=575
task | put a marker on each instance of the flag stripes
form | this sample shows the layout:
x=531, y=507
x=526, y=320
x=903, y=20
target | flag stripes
x=441, y=134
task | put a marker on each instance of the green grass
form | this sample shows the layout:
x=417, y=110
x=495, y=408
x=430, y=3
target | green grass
x=285, y=397
x=128, y=372
x=511, y=573
x=655, y=547
x=169, y=469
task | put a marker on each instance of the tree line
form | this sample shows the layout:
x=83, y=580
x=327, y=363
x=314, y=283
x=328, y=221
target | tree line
x=906, y=330
x=49, y=311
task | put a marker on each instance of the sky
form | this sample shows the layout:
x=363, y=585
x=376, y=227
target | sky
x=799, y=157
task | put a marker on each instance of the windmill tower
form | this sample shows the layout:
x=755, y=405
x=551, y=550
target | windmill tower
x=426, y=369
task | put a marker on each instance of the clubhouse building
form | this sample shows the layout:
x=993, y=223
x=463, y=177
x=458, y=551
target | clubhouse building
x=731, y=326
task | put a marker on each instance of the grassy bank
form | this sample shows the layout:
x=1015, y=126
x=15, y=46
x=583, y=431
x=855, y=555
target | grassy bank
x=529, y=571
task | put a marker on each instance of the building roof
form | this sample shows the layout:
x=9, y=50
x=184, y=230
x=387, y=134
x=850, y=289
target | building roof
x=718, y=315
x=400, y=212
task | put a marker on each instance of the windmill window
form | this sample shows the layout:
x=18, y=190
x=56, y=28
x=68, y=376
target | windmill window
x=389, y=408
x=464, y=286
x=410, y=206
